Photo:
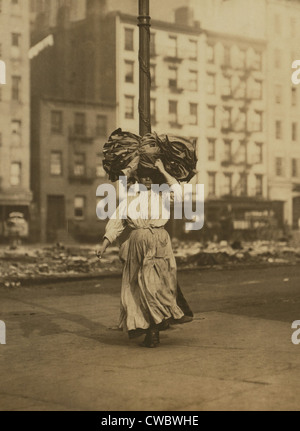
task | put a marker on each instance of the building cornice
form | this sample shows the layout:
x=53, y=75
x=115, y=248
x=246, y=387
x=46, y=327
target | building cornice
x=162, y=25
x=234, y=38
x=77, y=102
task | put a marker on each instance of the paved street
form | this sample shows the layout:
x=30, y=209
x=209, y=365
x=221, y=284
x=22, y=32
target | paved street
x=236, y=355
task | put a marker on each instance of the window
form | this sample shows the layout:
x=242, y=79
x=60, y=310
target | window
x=278, y=93
x=211, y=83
x=56, y=168
x=211, y=151
x=227, y=184
x=257, y=123
x=172, y=48
x=193, y=49
x=226, y=90
x=101, y=125
x=153, y=75
x=79, y=207
x=172, y=77
x=193, y=80
x=227, y=61
x=16, y=88
x=258, y=185
x=294, y=96
x=211, y=116
x=295, y=170
x=279, y=168
x=243, y=183
x=129, y=45
x=241, y=89
x=79, y=164
x=193, y=113
x=129, y=71
x=277, y=58
x=80, y=123
x=278, y=129
x=15, y=39
x=100, y=172
x=15, y=173
x=210, y=52
x=242, y=120
x=226, y=121
x=242, y=152
x=56, y=121
x=211, y=183
x=173, y=112
x=257, y=61
x=228, y=151
x=294, y=131
x=257, y=89
x=242, y=59
x=16, y=126
x=152, y=45
x=153, y=110
x=129, y=107
x=258, y=158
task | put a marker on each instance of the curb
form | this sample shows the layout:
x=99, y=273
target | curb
x=83, y=277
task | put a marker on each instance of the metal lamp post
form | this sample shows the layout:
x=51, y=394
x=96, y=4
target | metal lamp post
x=144, y=23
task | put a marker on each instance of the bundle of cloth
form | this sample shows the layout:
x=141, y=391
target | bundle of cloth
x=128, y=154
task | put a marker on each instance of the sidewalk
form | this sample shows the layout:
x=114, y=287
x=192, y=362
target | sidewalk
x=60, y=355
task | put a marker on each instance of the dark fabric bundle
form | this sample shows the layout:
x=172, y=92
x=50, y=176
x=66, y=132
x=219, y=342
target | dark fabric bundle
x=149, y=151
x=178, y=156
x=121, y=152
x=126, y=153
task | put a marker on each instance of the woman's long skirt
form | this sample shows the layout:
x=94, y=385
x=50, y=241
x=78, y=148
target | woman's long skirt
x=149, y=282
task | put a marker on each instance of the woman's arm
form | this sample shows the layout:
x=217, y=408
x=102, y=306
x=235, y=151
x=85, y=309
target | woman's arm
x=102, y=248
x=169, y=179
x=113, y=230
x=176, y=189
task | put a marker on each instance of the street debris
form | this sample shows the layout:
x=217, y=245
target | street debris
x=59, y=261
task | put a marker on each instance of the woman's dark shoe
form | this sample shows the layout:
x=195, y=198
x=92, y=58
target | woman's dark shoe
x=156, y=337
x=152, y=339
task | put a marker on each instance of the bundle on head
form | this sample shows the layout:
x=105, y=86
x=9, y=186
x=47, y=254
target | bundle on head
x=121, y=152
x=126, y=153
x=178, y=156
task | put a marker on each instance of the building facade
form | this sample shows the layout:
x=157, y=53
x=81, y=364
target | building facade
x=283, y=112
x=214, y=83
x=67, y=145
x=210, y=87
x=15, y=194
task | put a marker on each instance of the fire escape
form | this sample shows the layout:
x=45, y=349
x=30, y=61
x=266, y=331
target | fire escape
x=241, y=92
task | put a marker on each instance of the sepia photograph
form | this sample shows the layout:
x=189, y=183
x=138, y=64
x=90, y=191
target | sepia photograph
x=149, y=208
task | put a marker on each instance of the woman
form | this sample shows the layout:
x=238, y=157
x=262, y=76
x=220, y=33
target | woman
x=149, y=282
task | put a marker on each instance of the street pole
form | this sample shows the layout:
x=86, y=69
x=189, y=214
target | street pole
x=144, y=23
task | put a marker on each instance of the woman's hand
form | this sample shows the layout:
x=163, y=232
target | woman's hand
x=100, y=250
x=160, y=166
